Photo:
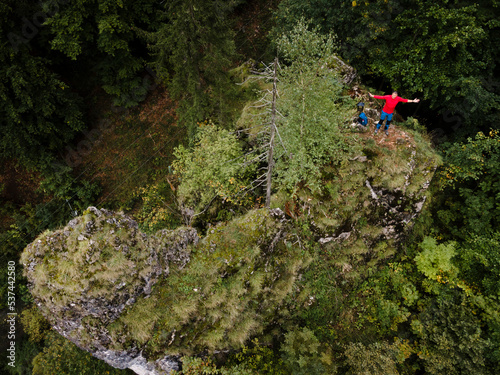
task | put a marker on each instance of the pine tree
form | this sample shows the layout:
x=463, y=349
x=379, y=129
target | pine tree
x=193, y=50
x=313, y=108
x=103, y=35
x=39, y=113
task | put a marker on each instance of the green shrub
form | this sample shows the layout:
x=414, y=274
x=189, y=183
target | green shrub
x=198, y=366
x=378, y=358
x=451, y=337
x=413, y=124
x=259, y=358
x=34, y=324
x=214, y=168
x=158, y=209
x=435, y=260
x=25, y=352
x=303, y=354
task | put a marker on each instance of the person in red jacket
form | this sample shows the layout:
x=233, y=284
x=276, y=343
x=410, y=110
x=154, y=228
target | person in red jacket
x=390, y=104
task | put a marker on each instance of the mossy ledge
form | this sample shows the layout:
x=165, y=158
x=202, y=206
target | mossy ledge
x=140, y=302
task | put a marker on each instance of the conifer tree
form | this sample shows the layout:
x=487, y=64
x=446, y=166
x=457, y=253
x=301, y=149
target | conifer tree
x=38, y=111
x=193, y=49
x=312, y=106
x=262, y=130
x=103, y=34
x=297, y=127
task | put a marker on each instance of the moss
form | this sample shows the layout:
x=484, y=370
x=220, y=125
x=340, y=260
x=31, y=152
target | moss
x=211, y=303
x=140, y=320
x=118, y=334
x=86, y=254
x=85, y=273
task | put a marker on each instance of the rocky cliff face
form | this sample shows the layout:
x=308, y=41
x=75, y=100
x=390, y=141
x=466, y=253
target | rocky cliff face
x=107, y=287
x=85, y=275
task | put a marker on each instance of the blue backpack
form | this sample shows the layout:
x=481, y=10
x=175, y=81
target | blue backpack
x=362, y=119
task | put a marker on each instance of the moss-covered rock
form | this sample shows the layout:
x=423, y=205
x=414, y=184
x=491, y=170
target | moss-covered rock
x=367, y=205
x=235, y=283
x=86, y=274
x=138, y=301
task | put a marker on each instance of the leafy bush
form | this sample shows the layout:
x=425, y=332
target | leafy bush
x=25, y=353
x=470, y=181
x=378, y=358
x=259, y=358
x=413, y=124
x=213, y=169
x=197, y=366
x=435, y=260
x=34, y=324
x=478, y=259
x=159, y=209
x=302, y=353
x=451, y=339
x=387, y=299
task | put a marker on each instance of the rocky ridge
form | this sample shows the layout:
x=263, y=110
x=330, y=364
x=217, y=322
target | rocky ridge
x=120, y=264
x=91, y=276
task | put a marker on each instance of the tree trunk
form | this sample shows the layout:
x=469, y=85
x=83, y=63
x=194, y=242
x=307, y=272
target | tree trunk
x=270, y=160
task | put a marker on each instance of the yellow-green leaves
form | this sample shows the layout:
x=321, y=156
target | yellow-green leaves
x=435, y=260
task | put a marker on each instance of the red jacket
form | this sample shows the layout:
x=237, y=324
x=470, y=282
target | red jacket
x=390, y=103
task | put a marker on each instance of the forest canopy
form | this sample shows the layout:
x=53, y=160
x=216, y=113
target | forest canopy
x=210, y=113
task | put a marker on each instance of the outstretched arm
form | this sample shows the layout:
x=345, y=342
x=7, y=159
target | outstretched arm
x=413, y=101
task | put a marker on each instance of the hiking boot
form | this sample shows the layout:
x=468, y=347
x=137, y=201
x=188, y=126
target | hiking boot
x=386, y=133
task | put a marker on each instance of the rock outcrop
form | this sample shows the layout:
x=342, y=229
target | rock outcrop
x=108, y=287
x=85, y=275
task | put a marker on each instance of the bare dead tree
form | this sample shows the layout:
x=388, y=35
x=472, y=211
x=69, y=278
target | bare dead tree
x=270, y=160
x=266, y=128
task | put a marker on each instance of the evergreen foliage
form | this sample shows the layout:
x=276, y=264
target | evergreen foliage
x=451, y=339
x=411, y=45
x=193, y=50
x=469, y=208
x=471, y=183
x=34, y=324
x=103, y=34
x=39, y=112
x=479, y=262
x=313, y=108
